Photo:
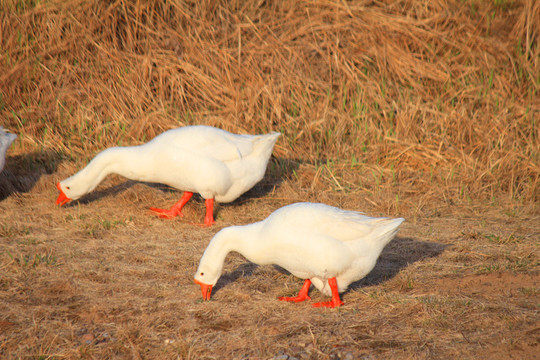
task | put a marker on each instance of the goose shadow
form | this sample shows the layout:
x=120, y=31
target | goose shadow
x=112, y=191
x=22, y=172
x=397, y=255
x=245, y=270
x=117, y=189
x=277, y=170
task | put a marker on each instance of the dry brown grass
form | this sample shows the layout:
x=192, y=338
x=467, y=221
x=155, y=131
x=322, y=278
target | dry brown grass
x=439, y=97
x=105, y=279
x=422, y=109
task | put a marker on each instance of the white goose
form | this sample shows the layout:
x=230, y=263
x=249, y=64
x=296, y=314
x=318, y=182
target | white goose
x=203, y=159
x=5, y=141
x=327, y=246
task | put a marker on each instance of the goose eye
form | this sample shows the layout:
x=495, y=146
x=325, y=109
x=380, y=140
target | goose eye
x=67, y=187
x=202, y=274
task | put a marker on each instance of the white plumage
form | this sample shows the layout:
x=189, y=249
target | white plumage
x=203, y=159
x=316, y=242
x=5, y=141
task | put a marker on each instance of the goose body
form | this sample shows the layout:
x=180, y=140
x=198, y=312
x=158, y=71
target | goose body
x=327, y=246
x=5, y=141
x=212, y=162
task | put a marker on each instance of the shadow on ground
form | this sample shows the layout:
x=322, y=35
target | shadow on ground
x=397, y=255
x=114, y=191
x=22, y=172
x=277, y=171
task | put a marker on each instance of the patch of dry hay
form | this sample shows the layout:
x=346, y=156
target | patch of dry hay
x=440, y=97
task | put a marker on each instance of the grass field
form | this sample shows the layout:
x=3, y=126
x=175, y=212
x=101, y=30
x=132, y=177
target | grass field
x=426, y=110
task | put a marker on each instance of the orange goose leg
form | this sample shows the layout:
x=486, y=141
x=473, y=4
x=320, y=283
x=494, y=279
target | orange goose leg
x=336, y=301
x=209, y=218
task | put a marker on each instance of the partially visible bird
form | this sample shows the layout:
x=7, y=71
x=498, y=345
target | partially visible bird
x=5, y=141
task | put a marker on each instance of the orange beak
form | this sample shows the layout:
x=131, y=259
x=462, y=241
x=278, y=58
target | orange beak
x=205, y=289
x=62, y=198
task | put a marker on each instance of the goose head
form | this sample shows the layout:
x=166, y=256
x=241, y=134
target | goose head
x=207, y=276
x=68, y=191
x=211, y=264
x=232, y=238
x=62, y=198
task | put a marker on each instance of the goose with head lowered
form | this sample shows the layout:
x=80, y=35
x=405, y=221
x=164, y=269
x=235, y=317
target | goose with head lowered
x=5, y=141
x=328, y=247
x=216, y=164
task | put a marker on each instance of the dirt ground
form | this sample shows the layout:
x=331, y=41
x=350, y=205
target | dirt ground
x=103, y=278
x=426, y=110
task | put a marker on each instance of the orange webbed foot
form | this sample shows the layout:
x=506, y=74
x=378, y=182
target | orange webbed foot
x=302, y=294
x=294, y=298
x=166, y=214
x=330, y=304
x=176, y=209
x=336, y=301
